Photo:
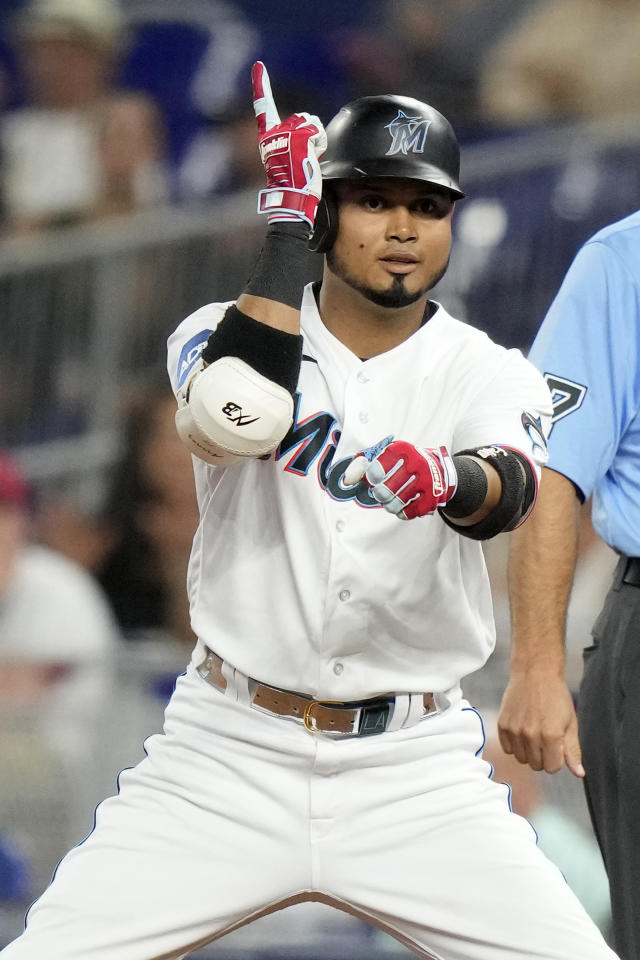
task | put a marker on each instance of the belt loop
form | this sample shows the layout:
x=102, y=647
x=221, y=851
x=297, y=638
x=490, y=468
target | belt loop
x=619, y=572
x=229, y=673
x=241, y=684
x=447, y=698
x=399, y=712
x=630, y=567
x=416, y=709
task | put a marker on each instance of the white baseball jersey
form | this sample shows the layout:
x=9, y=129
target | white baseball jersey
x=306, y=584
x=302, y=582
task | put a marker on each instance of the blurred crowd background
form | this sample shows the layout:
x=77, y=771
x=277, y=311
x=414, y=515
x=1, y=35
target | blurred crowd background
x=128, y=173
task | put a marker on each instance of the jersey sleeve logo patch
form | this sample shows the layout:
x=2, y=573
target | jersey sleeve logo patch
x=190, y=354
x=566, y=396
x=533, y=427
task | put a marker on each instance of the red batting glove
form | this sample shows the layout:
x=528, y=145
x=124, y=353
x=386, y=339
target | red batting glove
x=407, y=482
x=290, y=151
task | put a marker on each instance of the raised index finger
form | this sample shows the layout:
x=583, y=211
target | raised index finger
x=263, y=103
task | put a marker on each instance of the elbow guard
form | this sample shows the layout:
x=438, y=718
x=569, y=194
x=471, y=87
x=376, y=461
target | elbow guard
x=239, y=403
x=519, y=490
x=230, y=412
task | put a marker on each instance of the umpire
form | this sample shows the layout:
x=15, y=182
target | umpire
x=588, y=348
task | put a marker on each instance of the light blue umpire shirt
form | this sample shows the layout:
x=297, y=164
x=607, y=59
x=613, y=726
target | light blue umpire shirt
x=588, y=348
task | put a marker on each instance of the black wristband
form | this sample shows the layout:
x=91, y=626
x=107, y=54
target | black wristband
x=285, y=265
x=273, y=353
x=519, y=486
x=471, y=490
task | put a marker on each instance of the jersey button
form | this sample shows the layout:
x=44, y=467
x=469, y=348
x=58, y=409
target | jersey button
x=338, y=668
x=344, y=595
x=340, y=525
x=363, y=416
x=362, y=377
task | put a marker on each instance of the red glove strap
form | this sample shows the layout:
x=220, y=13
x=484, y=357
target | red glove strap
x=288, y=200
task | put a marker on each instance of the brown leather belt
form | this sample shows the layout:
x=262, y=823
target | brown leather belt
x=353, y=719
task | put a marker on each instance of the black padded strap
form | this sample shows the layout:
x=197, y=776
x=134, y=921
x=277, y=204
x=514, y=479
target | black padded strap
x=273, y=353
x=519, y=487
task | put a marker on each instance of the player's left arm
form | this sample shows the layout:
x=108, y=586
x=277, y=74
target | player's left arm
x=479, y=492
x=506, y=431
x=489, y=485
x=509, y=484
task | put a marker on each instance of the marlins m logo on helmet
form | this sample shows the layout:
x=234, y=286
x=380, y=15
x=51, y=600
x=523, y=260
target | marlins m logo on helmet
x=407, y=133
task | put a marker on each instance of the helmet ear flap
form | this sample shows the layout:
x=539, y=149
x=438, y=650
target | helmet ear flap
x=326, y=223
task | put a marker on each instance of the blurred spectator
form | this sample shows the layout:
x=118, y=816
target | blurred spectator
x=153, y=511
x=432, y=50
x=205, y=90
x=138, y=547
x=571, y=847
x=308, y=56
x=564, y=61
x=57, y=644
x=193, y=58
x=223, y=157
x=77, y=148
x=57, y=633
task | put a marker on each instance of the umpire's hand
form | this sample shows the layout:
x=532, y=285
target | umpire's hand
x=537, y=722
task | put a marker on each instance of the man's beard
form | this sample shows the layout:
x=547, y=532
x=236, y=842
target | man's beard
x=394, y=297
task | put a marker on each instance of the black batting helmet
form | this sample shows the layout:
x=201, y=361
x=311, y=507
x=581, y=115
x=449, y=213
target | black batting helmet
x=385, y=136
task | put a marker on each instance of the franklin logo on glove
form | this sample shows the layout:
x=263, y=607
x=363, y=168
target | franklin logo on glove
x=270, y=146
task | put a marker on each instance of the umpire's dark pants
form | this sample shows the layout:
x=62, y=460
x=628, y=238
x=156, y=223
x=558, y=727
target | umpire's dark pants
x=609, y=720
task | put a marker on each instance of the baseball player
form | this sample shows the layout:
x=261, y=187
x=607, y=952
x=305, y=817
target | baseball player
x=353, y=444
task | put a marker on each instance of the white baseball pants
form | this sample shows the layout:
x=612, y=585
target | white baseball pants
x=234, y=813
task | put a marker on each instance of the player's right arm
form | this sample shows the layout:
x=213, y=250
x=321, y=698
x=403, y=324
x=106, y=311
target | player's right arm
x=537, y=721
x=237, y=401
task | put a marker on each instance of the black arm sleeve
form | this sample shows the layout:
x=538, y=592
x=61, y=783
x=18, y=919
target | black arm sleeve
x=285, y=265
x=471, y=490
